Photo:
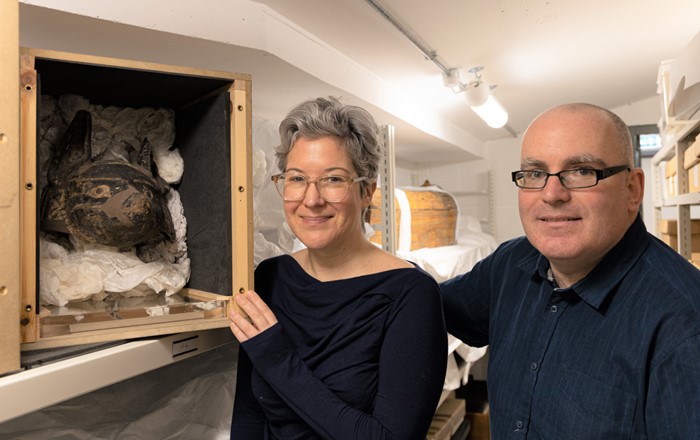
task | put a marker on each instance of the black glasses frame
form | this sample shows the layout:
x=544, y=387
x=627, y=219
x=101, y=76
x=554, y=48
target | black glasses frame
x=600, y=175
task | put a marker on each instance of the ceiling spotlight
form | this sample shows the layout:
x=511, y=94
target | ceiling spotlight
x=479, y=97
x=477, y=94
x=492, y=112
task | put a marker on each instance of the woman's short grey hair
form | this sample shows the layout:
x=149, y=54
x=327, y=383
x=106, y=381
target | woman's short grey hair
x=352, y=126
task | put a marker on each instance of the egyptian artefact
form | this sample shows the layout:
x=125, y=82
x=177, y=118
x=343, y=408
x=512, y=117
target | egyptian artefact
x=109, y=202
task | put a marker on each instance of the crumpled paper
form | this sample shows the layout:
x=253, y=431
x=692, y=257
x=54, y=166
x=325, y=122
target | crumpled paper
x=267, y=204
x=96, y=271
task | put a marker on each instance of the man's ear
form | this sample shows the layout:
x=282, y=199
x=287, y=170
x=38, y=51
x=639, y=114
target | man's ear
x=635, y=187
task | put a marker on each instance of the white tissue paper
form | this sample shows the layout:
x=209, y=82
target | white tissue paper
x=268, y=215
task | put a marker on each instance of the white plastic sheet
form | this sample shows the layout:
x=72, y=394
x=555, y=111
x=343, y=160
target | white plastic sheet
x=188, y=400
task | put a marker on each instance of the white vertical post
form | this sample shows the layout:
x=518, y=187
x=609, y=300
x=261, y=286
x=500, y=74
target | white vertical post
x=492, y=203
x=387, y=169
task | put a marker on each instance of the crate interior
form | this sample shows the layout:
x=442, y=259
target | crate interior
x=202, y=126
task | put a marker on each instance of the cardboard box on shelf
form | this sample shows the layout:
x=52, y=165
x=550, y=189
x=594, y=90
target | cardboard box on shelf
x=691, y=163
x=672, y=240
x=671, y=171
x=668, y=233
x=671, y=227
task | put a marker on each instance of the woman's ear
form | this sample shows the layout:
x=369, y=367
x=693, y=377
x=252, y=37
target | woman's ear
x=367, y=200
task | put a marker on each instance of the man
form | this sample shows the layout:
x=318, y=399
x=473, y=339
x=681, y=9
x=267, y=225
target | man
x=593, y=324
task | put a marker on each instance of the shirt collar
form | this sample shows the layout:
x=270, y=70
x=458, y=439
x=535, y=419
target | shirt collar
x=600, y=282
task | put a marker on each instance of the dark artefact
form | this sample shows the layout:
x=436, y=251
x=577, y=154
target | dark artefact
x=109, y=202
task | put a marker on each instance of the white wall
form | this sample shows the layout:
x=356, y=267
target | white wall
x=469, y=184
x=504, y=157
x=643, y=112
x=406, y=173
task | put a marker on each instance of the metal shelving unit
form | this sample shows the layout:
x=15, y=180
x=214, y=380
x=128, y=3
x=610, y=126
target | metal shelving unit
x=679, y=135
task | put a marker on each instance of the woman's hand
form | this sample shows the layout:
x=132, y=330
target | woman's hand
x=260, y=317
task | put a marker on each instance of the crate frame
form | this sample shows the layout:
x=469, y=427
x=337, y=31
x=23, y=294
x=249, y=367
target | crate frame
x=233, y=87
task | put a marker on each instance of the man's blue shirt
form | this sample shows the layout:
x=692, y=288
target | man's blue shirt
x=615, y=356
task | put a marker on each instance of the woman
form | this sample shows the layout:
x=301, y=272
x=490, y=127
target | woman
x=353, y=343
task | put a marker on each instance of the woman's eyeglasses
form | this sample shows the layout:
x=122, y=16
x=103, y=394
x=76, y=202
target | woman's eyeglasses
x=331, y=188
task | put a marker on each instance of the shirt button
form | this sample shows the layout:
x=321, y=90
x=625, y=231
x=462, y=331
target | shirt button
x=519, y=424
x=533, y=366
x=554, y=309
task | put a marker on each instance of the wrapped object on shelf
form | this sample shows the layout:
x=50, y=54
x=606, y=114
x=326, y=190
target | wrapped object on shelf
x=679, y=86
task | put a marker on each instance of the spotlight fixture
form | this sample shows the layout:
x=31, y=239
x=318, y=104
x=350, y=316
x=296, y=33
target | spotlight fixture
x=478, y=95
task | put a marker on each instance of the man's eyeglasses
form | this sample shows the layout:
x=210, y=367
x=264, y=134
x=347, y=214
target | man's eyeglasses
x=570, y=179
x=331, y=188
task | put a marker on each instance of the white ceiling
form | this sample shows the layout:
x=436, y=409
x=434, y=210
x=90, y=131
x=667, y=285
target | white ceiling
x=538, y=53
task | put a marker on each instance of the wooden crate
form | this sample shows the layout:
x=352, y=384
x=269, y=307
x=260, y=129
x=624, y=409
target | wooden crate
x=213, y=134
x=433, y=218
x=9, y=188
